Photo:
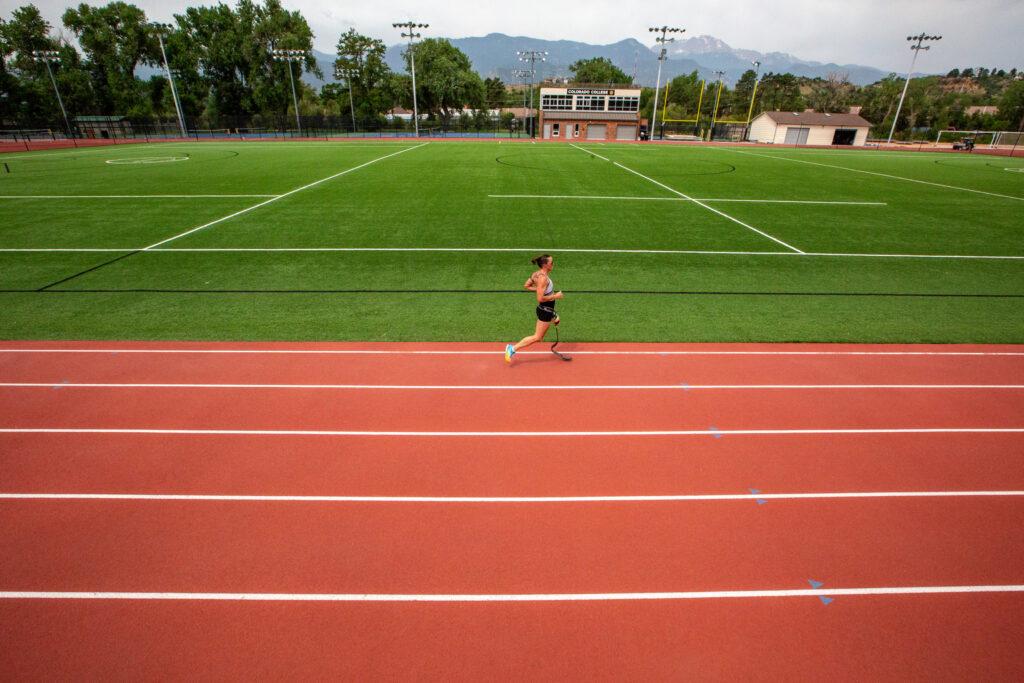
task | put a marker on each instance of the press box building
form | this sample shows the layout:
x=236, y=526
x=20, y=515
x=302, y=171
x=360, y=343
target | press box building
x=584, y=112
x=809, y=128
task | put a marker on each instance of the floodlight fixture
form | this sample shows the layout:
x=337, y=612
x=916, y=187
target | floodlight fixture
x=663, y=40
x=411, y=35
x=532, y=57
x=289, y=56
x=161, y=31
x=919, y=39
x=349, y=75
x=49, y=57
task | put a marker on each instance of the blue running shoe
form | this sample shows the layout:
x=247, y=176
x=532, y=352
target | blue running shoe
x=509, y=352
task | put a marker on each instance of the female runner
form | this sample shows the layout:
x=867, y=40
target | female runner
x=541, y=283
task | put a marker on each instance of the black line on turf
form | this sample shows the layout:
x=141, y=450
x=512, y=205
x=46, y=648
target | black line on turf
x=46, y=288
x=625, y=292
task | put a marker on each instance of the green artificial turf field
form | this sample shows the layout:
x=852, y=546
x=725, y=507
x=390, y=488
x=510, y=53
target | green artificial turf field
x=404, y=241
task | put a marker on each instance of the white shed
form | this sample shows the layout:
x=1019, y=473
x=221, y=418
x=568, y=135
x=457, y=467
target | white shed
x=809, y=128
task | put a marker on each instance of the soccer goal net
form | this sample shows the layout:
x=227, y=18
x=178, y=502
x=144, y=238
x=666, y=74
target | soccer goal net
x=991, y=139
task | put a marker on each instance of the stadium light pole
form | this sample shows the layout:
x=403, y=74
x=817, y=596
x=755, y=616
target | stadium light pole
x=523, y=74
x=532, y=56
x=662, y=40
x=162, y=30
x=53, y=57
x=348, y=75
x=411, y=36
x=757, y=79
x=917, y=49
x=289, y=56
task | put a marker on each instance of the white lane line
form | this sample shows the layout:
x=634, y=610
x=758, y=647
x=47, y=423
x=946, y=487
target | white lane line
x=510, y=597
x=531, y=250
x=280, y=196
x=134, y=196
x=463, y=352
x=664, y=432
x=680, y=199
x=695, y=201
x=503, y=387
x=876, y=173
x=506, y=499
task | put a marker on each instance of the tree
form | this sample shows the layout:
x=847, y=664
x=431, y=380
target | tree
x=598, y=70
x=26, y=92
x=684, y=91
x=494, y=93
x=741, y=95
x=831, y=94
x=781, y=92
x=445, y=80
x=373, y=86
x=115, y=39
x=1011, y=104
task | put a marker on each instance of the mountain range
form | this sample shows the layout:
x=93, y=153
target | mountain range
x=495, y=55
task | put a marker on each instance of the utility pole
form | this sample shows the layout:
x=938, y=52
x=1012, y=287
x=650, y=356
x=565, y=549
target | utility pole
x=412, y=35
x=348, y=75
x=916, y=48
x=289, y=56
x=162, y=30
x=662, y=40
x=53, y=57
x=714, y=115
x=750, y=112
x=532, y=56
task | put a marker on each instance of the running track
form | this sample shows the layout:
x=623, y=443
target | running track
x=282, y=510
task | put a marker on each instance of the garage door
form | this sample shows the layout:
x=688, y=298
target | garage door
x=625, y=133
x=797, y=136
x=597, y=131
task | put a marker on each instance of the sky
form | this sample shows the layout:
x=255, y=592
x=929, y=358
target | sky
x=866, y=32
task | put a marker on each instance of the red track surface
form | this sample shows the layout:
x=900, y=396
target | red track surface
x=302, y=547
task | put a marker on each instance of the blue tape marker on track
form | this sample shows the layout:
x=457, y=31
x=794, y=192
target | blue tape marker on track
x=760, y=501
x=714, y=432
x=61, y=385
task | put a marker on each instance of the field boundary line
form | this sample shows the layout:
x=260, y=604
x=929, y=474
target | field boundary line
x=445, y=434
x=498, y=352
x=281, y=196
x=509, y=597
x=686, y=196
x=680, y=199
x=675, y=252
x=506, y=387
x=670, y=498
x=135, y=196
x=877, y=173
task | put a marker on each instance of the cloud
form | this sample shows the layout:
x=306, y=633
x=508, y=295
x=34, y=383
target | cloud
x=868, y=32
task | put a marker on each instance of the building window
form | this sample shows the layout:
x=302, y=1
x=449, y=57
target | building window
x=554, y=130
x=556, y=102
x=623, y=104
x=590, y=103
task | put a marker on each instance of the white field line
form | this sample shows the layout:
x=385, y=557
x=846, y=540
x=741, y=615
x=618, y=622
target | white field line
x=280, y=196
x=876, y=173
x=463, y=352
x=601, y=434
x=687, y=197
x=680, y=199
x=510, y=597
x=134, y=196
x=672, y=252
x=509, y=387
x=506, y=499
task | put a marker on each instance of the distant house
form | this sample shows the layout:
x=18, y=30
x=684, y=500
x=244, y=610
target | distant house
x=809, y=128
x=984, y=109
x=104, y=126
